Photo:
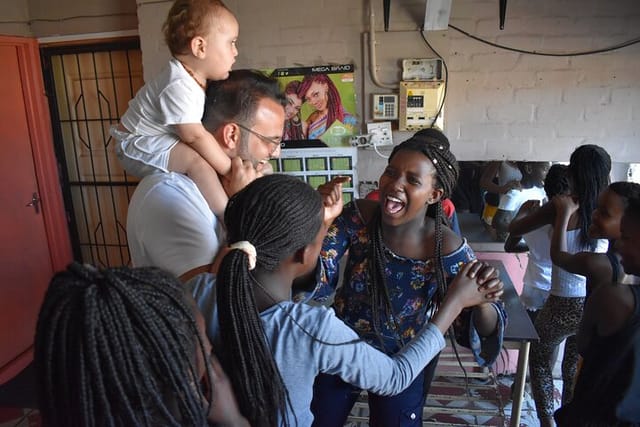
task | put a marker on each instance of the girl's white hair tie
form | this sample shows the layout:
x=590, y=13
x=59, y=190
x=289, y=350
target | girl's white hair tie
x=246, y=247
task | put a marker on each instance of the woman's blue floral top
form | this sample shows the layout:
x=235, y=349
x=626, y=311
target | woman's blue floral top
x=411, y=285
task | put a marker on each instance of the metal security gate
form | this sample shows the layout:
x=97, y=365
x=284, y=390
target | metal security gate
x=89, y=87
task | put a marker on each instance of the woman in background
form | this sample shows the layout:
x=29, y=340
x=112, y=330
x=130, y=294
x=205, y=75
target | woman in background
x=589, y=168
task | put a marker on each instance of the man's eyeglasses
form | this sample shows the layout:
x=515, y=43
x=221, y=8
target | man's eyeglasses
x=276, y=141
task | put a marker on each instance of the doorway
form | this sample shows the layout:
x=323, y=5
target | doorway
x=89, y=87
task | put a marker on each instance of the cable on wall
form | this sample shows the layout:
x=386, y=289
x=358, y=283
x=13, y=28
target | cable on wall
x=446, y=78
x=533, y=52
x=68, y=18
x=528, y=52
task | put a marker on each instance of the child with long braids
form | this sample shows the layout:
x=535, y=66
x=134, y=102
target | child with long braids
x=401, y=258
x=598, y=268
x=125, y=347
x=589, y=168
x=607, y=391
x=273, y=348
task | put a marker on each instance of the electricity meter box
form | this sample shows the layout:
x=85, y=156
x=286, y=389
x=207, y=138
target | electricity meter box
x=419, y=104
x=422, y=69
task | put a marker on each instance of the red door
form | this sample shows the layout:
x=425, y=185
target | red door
x=26, y=262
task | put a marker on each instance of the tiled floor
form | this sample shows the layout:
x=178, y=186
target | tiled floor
x=472, y=413
x=487, y=404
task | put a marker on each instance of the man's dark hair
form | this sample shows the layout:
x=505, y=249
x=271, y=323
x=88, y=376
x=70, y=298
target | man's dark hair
x=236, y=98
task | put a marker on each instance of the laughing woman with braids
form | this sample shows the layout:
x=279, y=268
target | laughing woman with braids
x=401, y=258
x=273, y=348
x=123, y=347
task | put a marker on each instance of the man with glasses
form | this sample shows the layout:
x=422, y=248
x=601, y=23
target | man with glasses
x=169, y=224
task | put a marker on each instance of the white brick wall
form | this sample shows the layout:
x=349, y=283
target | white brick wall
x=495, y=97
x=500, y=103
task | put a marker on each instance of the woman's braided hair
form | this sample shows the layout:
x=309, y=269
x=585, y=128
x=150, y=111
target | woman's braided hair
x=589, y=167
x=117, y=347
x=278, y=214
x=435, y=146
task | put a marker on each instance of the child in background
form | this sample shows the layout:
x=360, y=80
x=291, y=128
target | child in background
x=537, y=277
x=497, y=178
x=161, y=130
x=607, y=391
x=531, y=188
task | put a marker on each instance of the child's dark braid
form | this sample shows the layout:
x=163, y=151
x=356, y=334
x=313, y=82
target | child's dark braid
x=276, y=215
x=435, y=146
x=117, y=347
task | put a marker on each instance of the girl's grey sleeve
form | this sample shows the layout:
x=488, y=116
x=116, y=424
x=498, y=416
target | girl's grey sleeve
x=368, y=368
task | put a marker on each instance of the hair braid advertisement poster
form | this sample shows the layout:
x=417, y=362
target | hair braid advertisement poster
x=321, y=105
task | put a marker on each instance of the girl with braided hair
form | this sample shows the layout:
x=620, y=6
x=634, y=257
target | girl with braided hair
x=273, y=348
x=559, y=318
x=598, y=268
x=607, y=390
x=121, y=347
x=401, y=258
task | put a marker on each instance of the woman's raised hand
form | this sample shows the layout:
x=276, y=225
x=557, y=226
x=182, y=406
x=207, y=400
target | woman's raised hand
x=331, y=193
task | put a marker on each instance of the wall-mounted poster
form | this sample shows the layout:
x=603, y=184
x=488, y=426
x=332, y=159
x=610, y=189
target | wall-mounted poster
x=321, y=105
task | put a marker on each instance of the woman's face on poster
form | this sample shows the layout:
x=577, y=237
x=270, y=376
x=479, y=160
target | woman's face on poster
x=318, y=96
x=292, y=109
